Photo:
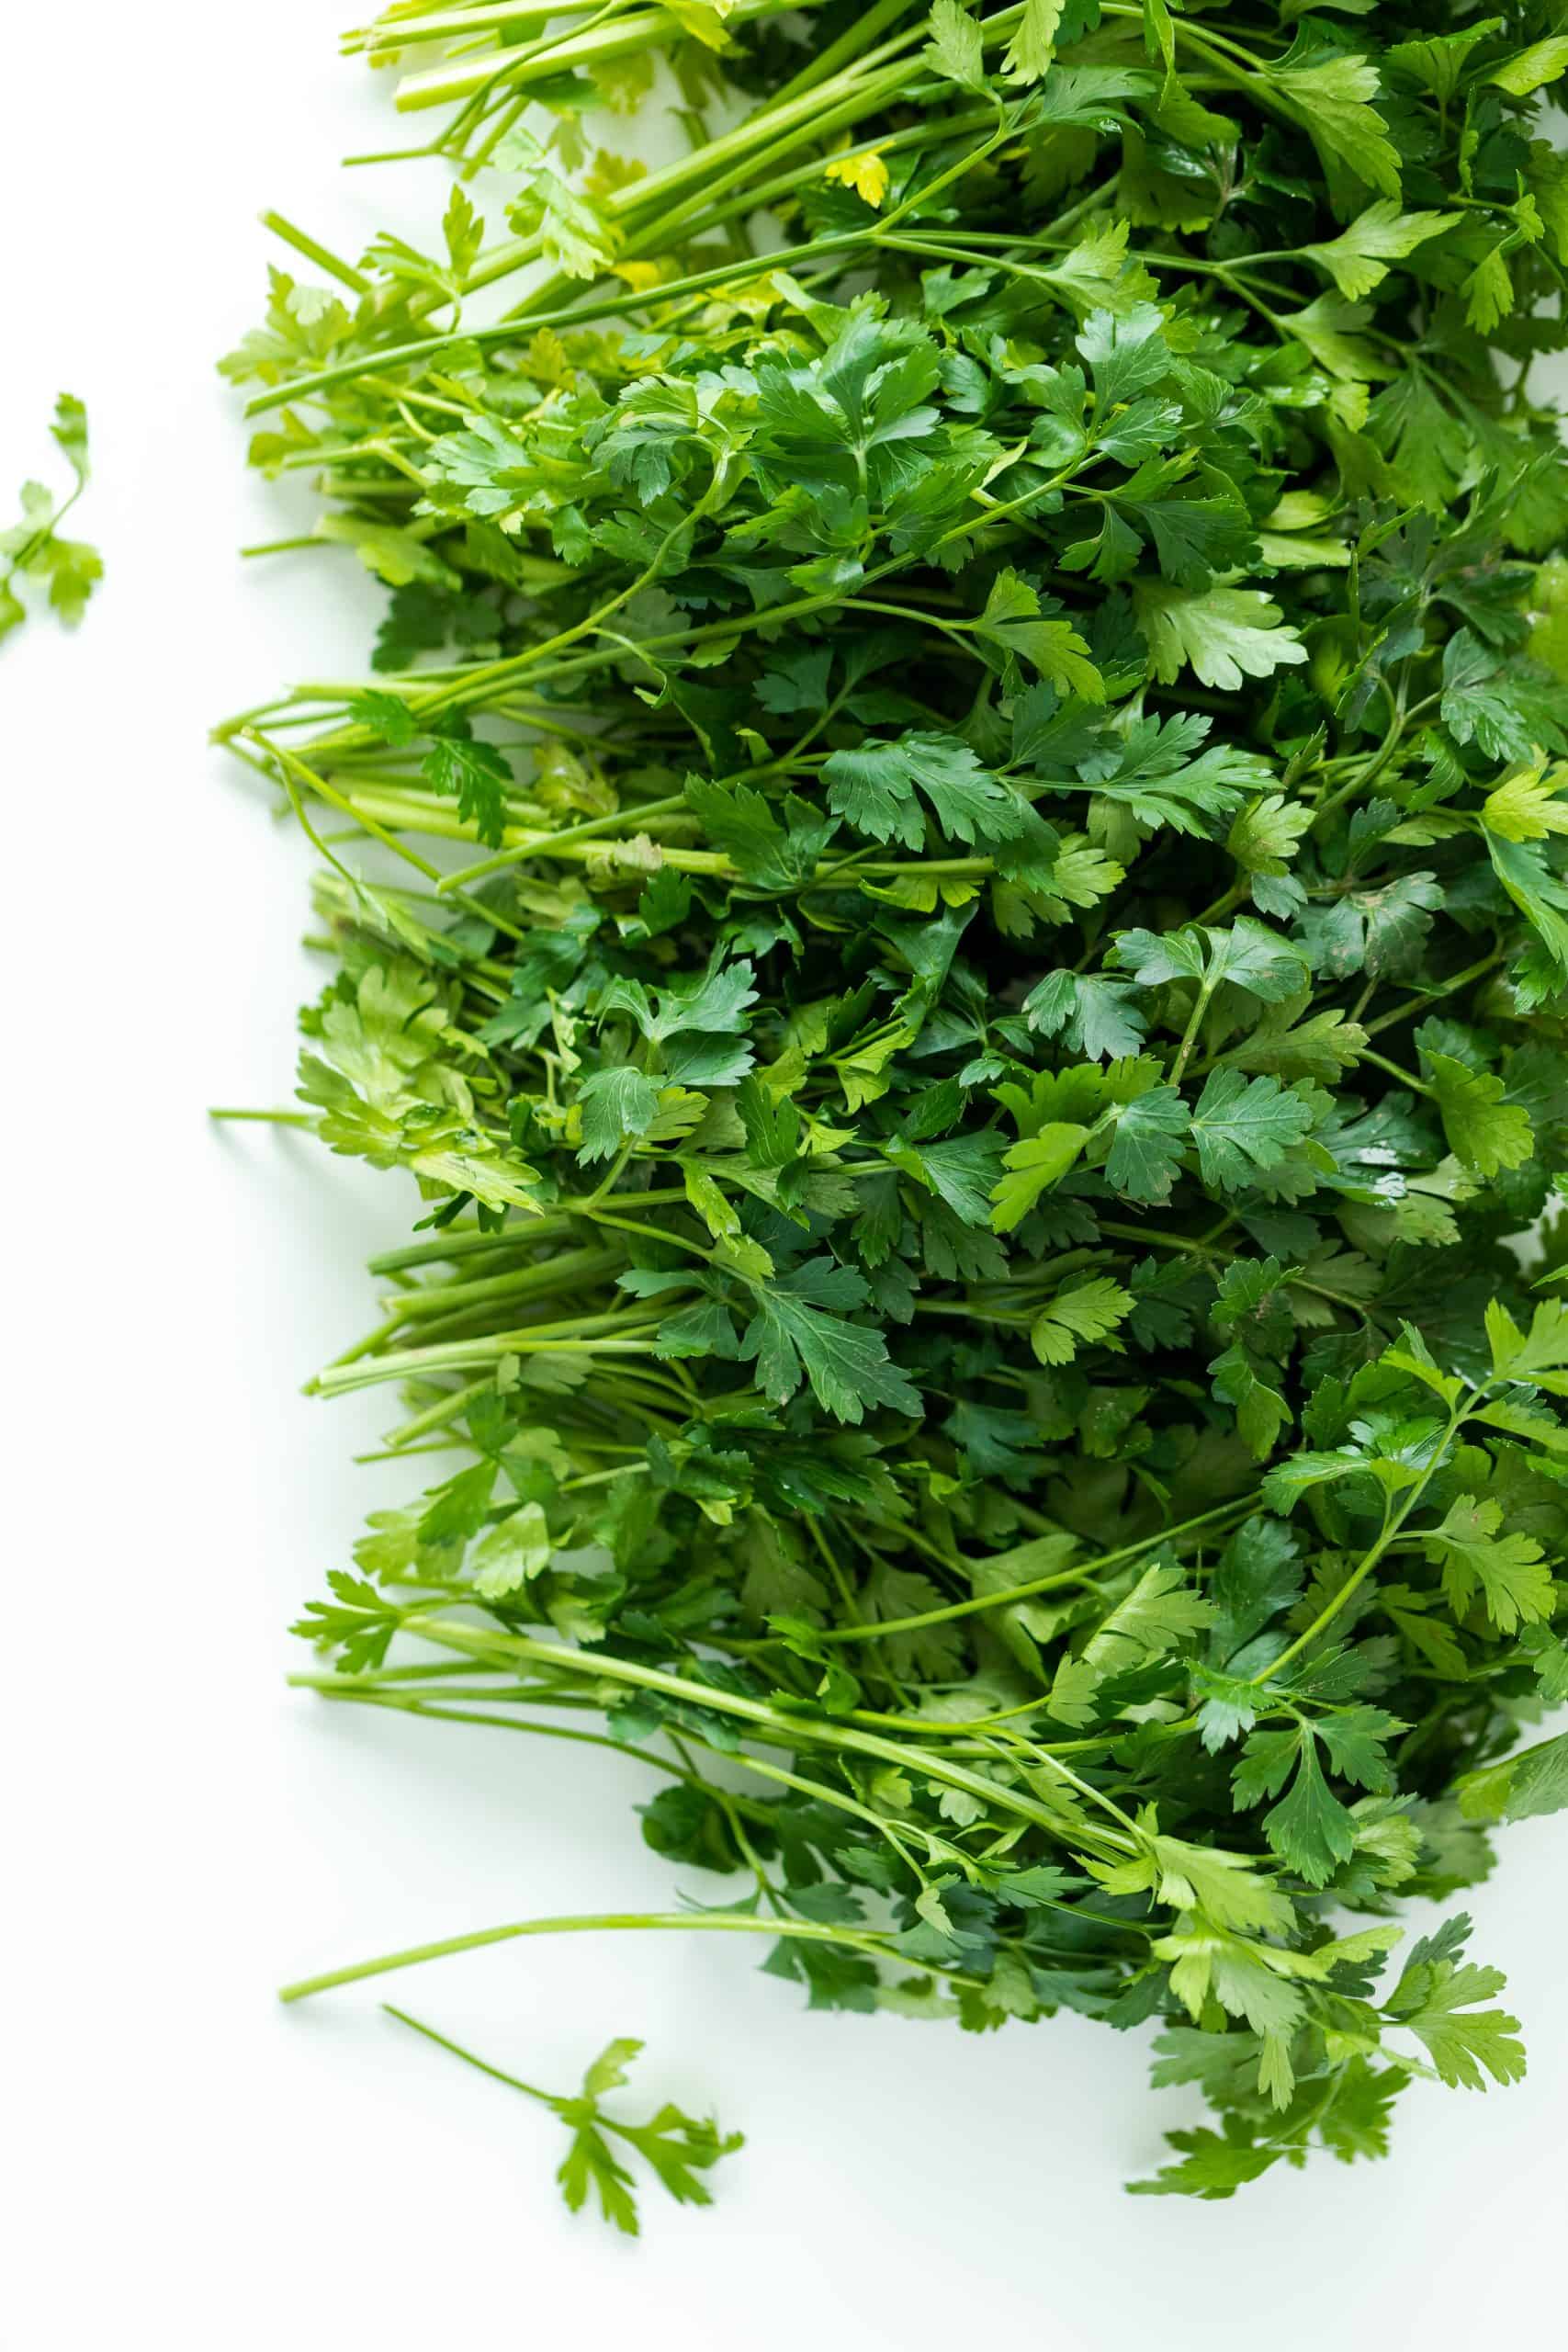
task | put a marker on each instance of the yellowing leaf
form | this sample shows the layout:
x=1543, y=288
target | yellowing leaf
x=1525, y=806
x=866, y=174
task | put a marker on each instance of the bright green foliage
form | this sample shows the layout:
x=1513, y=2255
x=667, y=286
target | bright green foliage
x=966, y=935
x=33, y=549
x=676, y=2148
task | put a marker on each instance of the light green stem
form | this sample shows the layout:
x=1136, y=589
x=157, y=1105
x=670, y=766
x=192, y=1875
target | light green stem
x=699, y=1922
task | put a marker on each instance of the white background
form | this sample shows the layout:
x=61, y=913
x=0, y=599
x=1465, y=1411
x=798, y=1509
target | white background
x=197, y=2168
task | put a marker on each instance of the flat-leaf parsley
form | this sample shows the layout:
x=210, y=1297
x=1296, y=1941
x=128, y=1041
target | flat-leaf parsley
x=962, y=920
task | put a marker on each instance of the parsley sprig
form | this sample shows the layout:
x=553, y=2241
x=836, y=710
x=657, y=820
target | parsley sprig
x=676, y=2148
x=34, y=548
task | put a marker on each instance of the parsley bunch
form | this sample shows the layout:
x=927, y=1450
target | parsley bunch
x=961, y=914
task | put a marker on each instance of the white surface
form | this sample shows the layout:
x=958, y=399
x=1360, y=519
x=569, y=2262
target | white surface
x=198, y=2168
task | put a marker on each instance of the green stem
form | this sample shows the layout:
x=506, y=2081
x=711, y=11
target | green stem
x=1393, y=1069
x=462, y=1241
x=482, y=2065
x=355, y=281
x=272, y=1118
x=1432, y=995
x=1190, y=1034
x=545, y=844
x=1087, y=1570
x=780, y=1730
x=1392, y=1522
x=579, y=1268
x=699, y=1922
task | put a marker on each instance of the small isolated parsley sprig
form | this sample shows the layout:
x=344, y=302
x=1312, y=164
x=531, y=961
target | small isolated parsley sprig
x=676, y=2148
x=961, y=914
x=32, y=549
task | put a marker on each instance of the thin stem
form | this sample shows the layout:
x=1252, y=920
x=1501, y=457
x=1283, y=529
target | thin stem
x=535, y=844
x=1431, y=996
x=1190, y=1034
x=867, y=1939
x=272, y=1118
x=1393, y=1521
x=1084, y=1571
x=482, y=2065
x=780, y=1730
x=1393, y=1069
